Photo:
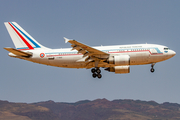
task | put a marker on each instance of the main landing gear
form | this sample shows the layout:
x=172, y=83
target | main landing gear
x=152, y=68
x=96, y=73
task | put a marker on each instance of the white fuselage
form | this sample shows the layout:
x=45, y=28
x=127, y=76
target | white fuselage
x=139, y=54
x=117, y=58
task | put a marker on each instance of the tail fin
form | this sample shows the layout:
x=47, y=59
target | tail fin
x=21, y=39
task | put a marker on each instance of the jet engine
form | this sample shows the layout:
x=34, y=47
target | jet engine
x=119, y=69
x=119, y=60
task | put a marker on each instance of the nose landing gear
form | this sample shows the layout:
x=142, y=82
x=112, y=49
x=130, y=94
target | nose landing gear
x=152, y=68
x=96, y=73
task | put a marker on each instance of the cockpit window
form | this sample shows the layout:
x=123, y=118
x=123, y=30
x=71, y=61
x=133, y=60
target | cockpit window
x=166, y=48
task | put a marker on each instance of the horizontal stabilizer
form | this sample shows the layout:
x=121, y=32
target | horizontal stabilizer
x=18, y=52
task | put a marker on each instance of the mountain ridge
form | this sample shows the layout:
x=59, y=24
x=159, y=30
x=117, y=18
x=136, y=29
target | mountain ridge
x=99, y=109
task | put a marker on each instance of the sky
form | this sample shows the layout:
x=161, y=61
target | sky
x=95, y=23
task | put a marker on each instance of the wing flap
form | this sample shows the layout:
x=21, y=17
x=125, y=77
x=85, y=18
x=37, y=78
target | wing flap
x=91, y=55
x=18, y=52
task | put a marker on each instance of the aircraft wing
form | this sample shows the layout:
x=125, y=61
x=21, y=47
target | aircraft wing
x=92, y=53
x=18, y=52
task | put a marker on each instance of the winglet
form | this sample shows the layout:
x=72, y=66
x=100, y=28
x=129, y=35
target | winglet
x=66, y=40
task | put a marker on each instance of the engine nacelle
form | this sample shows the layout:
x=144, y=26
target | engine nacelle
x=119, y=60
x=119, y=69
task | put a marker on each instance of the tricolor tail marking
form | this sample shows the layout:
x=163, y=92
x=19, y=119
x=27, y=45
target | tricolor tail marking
x=19, y=32
x=24, y=40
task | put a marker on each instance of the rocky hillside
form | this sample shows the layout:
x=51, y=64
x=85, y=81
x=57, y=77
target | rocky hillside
x=100, y=109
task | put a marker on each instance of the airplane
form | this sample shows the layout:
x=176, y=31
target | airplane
x=114, y=58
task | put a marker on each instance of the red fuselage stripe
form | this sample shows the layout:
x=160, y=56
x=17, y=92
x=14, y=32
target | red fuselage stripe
x=109, y=52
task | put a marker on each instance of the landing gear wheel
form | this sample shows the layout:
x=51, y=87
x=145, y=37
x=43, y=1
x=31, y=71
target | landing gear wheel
x=93, y=70
x=98, y=71
x=94, y=75
x=99, y=76
x=152, y=70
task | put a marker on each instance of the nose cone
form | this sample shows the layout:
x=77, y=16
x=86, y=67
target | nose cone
x=172, y=53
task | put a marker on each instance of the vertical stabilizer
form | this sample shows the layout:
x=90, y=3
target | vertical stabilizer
x=21, y=39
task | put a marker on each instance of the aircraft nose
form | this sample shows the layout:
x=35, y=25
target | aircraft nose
x=173, y=53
